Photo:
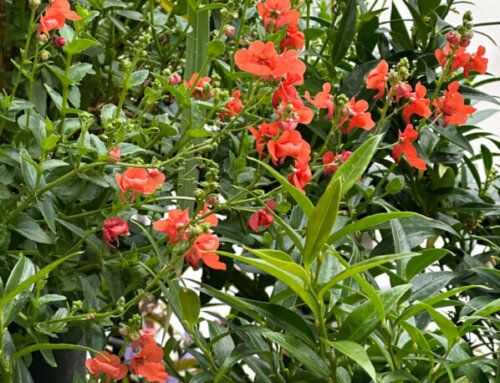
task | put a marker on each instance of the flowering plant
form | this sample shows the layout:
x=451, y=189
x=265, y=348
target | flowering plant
x=316, y=167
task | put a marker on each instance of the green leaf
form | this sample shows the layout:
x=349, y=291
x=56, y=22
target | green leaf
x=321, y=221
x=487, y=158
x=282, y=270
x=362, y=266
x=27, y=227
x=137, y=78
x=345, y=33
x=51, y=346
x=305, y=203
x=56, y=97
x=79, y=45
x=426, y=258
x=23, y=270
x=300, y=351
x=28, y=168
x=215, y=48
x=78, y=71
x=399, y=32
x=445, y=324
x=357, y=353
x=490, y=308
x=28, y=282
x=50, y=142
x=189, y=303
x=364, y=318
x=241, y=351
x=356, y=164
x=46, y=207
x=366, y=223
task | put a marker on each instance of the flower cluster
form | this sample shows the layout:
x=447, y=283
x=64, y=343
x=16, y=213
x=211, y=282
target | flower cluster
x=145, y=361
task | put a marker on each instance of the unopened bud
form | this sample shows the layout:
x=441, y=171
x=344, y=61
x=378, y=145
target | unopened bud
x=175, y=79
x=228, y=31
x=453, y=38
x=44, y=55
x=35, y=3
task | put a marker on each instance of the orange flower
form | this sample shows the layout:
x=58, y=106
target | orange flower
x=201, y=249
x=288, y=62
x=113, y=228
x=211, y=219
x=174, y=225
x=405, y=147
x=452, y=107
x=377, y=78
x=460, y=57
x=323, y=100
x=55, y=16
x=110, y=366
x=278, y=12
x=419, y=105
x=333, y=162
x=233, y=106
x=146, y=361
x=200, y=88
x=115, y=153
x=355, y=114
x=262, y=217
x=265, y=133
x=289, y=144
x=258, y=59
x=301, y=175
x=286, y=90
x=139, y=180
x=294, y=38
x=477, y=62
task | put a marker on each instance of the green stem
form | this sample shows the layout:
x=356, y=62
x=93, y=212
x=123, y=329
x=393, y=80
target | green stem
x=384, y=111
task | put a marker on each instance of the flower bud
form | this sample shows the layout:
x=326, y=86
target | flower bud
x=44, y=55
x=288, y=124
x=228, y=31
x=35, y=3
x=453, y=38
x=175, y=79
x=59, y=41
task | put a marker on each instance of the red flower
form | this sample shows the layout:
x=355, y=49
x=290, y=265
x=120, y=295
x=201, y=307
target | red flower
x=111, y=366
x=333, y=162
x=262, y=217
x=377, y=78
x=323, y=100
x=174, y=225
x=147, y=361
x=402, y=90
x=278, y=12
x=289, y=144
x=294, y=110
x=55, y=16
x=477, y=62
x=200, y=88
x=113, y=228
x=201, y=249
x=286, y=91
x=258, y=59
x=233, y=106
x=139, y=180
x=294, y=38
x=115, y=153
x=301, y=175
x=419, y=105
x=405, y=147
x=211, y=219
x=356, y=113
x=460, y=57
x=265, y=133
x=288, y=62
x=452, y=106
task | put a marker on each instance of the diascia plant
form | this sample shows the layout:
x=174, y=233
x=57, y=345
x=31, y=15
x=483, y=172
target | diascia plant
x=312, y=162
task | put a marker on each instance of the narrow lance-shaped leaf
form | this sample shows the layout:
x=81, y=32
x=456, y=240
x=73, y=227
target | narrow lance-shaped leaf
x=321, y=222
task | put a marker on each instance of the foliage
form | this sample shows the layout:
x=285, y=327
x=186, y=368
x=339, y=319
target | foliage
x=356, y=236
